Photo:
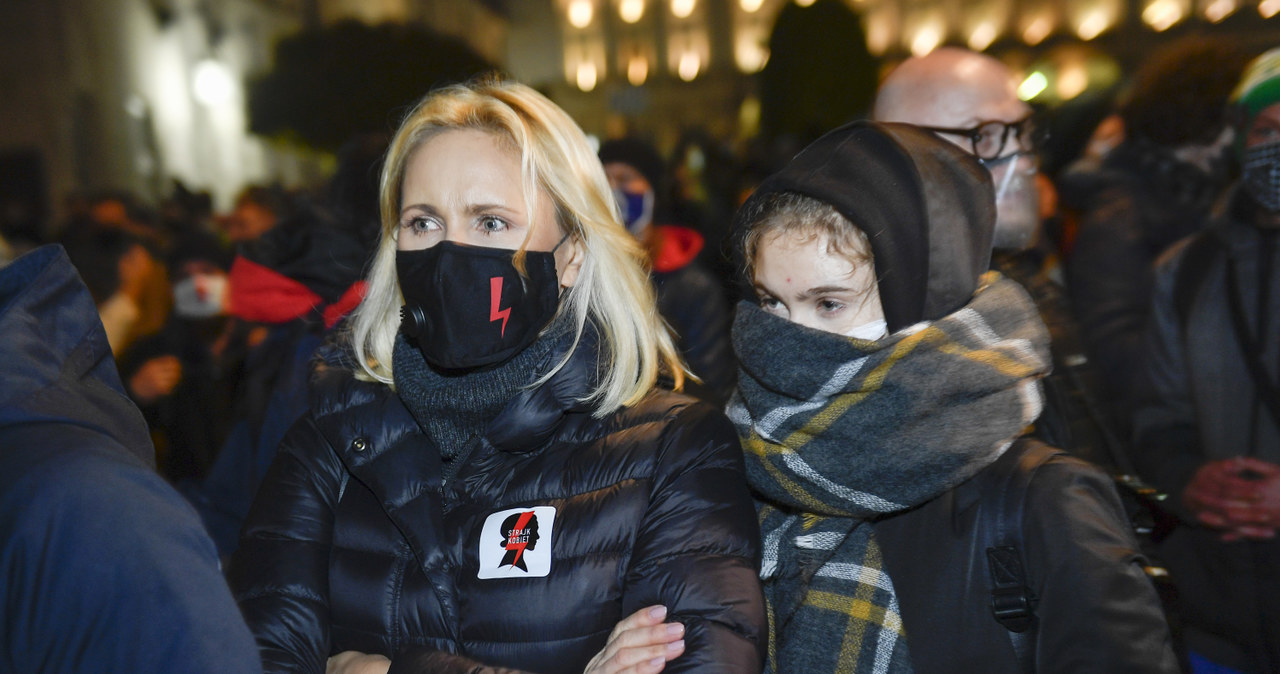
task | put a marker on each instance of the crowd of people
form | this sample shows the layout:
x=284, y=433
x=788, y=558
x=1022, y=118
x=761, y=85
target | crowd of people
x=903, y=402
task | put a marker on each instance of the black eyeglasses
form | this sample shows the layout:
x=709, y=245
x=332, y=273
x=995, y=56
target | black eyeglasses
x=987, y=140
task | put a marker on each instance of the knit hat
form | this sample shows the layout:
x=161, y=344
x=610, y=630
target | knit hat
x=926, y=206
x=1259, y=88
x=637, y=154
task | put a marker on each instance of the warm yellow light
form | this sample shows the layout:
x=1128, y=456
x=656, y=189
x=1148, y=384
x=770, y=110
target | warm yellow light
x=1268, y=8
x=926, y=39
x=804, y=3
x=682, y=8
x=982, y=36
x=631, y=11
x=1093, y=24
x=637, y=70
x=690, y=64
x=750, y=6
x=749, y=54
x=1072, y=81
x=580, y=13
x=1162, y=14
x=212, y=83
x=1031, y=87
x=1219, y=10
x=1037, y=30
x=586, y=76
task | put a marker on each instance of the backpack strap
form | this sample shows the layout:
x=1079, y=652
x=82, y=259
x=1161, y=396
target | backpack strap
x=1004, y=495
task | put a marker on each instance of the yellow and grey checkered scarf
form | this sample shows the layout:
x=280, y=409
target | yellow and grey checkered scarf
x=839, y=432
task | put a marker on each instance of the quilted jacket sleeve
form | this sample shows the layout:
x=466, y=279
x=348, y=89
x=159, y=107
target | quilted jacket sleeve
x=280, y=572
x=1098, y=611
x=698, y=548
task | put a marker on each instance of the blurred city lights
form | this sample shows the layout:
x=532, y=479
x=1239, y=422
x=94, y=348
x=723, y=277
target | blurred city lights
x=631, y=11
x=750, y=6
x=1031, y=87
x=586, y=76
x=1162, y=14
x=690, y=64
x=211, y=83
x=637, y=70
x=1092, y=24
x=1037, y=30
x=804, y=3
x=749, y=54
x=982, y=36
x=580, y=13
x=1268, y=8
x=927, y=37
x=682, y=8
x=1072, y=81
x=1219, y=9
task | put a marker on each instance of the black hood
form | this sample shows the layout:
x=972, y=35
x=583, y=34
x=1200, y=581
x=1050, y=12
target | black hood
x=55, y=365
x=926, y=206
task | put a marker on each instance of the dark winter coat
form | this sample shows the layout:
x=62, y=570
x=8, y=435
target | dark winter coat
x=105, y=568
x=1129, y=211
x=1196, y=403
x=361, y=539
x=1096, y=610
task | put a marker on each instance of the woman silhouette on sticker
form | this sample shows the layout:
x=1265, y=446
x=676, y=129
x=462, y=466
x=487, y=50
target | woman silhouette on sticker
x=519, y=532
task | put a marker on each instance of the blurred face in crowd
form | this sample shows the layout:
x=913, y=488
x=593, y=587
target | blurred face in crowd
x=200, y=290
x=464, y=186
x=799, y=277
x=974, y=97
x=1260, y=174
x=635, y=196
x=249, y=221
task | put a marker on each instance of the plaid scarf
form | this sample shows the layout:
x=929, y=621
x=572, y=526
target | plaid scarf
x=839, y=432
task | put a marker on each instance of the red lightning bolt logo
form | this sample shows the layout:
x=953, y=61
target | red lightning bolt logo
x=495, y=296
x=518, y=539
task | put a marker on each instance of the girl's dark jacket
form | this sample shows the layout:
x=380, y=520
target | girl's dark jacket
x=362, y=539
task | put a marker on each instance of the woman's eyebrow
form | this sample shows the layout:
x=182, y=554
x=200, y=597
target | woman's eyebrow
x=825, y=290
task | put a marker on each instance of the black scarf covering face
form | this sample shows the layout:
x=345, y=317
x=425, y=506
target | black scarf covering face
x=840, y=431
x=453, y=408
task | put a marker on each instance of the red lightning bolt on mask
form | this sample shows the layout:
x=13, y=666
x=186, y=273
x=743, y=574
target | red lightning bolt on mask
x=495, y=296
x=519, y=532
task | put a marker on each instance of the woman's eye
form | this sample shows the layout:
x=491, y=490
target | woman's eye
x=421, y=225
x=830, y=306
x=492, y=225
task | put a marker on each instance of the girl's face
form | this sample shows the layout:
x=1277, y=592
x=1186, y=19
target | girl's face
x=798, y=277
x=464, y=186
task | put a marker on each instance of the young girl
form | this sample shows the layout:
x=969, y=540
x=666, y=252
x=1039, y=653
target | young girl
x=886, y=380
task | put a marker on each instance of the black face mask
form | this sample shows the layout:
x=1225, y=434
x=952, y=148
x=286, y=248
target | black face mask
x=468, y=307
x=1261, y=175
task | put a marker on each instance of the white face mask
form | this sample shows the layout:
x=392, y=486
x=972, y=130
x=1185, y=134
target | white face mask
x=200, y=295
x=872, y=332
x=1017, y=202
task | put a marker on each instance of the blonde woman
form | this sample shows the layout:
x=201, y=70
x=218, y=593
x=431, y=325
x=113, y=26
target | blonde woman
x=496, y=480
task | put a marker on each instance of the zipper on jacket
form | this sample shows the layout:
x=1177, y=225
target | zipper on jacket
x=451, y=469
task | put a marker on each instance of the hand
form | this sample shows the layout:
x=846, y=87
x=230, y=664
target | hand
x=355, y=662
x=155, y=379
x=1241, y=496
x=640, y=644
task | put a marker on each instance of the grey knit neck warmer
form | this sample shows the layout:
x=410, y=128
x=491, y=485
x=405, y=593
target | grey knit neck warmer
x=454, y=408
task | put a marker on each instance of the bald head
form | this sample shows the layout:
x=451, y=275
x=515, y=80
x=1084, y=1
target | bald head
x=950, y=87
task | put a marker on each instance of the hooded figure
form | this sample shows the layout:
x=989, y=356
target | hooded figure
x=104, y=567
x=874, y=452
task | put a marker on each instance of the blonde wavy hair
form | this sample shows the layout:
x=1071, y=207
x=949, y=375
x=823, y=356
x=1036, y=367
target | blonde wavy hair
x=612, y=288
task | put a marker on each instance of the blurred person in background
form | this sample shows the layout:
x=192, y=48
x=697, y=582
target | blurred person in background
x=1207, y=410
x=285, y=290
x=119, y=268
x=690, y=298
x=183, y=377
x=458, y=498
x=971, y=100
x=887, y=379
x=104, y=568
x=257, y=210
x=1155, y=188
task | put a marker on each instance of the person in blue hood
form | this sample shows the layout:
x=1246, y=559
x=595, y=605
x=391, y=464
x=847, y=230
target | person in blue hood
x=105, y=567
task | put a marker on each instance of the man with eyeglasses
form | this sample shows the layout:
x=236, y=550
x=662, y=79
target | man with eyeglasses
x=971, y=100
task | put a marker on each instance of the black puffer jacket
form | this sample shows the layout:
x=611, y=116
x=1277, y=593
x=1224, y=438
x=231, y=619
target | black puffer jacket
x=360, y=538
